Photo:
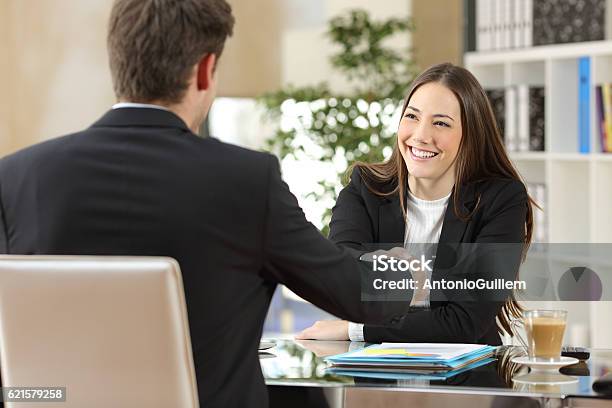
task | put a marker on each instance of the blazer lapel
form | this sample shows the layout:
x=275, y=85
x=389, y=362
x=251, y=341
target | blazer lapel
x=391, y=223
x=453, y=227
x=453, y=231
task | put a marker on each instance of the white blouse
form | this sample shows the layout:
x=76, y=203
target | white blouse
x=424, y=225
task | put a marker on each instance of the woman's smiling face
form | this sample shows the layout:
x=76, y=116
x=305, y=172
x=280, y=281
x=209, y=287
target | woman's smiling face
x=429, y=133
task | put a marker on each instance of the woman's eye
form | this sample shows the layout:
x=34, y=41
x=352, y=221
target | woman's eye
x=440, y=123
x=410, y=116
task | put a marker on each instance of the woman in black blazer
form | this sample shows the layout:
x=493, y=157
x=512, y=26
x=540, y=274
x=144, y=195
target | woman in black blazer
x=448, y=150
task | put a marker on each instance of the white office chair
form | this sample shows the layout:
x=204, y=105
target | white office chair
x=112, y=330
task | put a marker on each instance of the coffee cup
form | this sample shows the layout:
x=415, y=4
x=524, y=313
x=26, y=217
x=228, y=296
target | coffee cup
x=544, y=330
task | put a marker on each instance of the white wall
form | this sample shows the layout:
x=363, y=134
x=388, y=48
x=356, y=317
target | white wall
x=306, y=50
x=55, y=77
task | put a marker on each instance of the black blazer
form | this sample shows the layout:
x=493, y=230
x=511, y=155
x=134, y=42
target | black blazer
x=361, y=217
x=139, y=182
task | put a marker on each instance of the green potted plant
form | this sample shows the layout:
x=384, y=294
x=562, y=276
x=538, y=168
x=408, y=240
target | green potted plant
x=355, y=125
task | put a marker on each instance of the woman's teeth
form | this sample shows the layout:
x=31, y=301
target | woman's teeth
x=423, y=154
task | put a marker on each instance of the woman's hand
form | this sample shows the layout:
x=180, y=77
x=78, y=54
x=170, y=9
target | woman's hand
x=325, y=330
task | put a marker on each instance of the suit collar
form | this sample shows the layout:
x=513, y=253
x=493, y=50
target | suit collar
x=391, y=221
x=453, y=227
x=392, y=227
x=140, y=117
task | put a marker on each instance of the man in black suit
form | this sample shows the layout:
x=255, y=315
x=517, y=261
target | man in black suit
x=140, y=181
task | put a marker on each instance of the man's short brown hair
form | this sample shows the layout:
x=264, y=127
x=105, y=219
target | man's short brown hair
x=154, y=44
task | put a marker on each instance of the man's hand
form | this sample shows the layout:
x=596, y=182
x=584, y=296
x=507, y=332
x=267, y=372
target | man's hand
x=396, y=252
x=324, y=348
x=325, y=330
x=420, y=294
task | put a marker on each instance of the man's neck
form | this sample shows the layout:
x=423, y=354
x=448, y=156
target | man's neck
x=178, y=109
x=119, y=105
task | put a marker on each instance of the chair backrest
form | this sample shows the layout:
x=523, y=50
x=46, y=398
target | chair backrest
x=112, y=330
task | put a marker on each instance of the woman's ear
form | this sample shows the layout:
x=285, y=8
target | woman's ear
x=206, y=71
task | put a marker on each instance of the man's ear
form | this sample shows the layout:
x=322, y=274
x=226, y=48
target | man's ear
x=206, y=71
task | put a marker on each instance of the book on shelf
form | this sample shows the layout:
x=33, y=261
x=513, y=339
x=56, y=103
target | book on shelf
x=482, y=25
x=520, y=113
x=527, y=22
x=510, y=122
x=497, y=99
x=523, y=117
x=608, y=115
x=497, y=24
x=603, y=101
x=469, y=28
x=568, y=21
x=537, y=122
x=537, y=191
x=517, y=23
x=507, y=24
x=530, y=117
x=584, y=104
x=600, y=120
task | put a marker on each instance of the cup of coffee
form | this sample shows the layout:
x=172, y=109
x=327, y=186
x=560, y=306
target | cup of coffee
x=544, y=330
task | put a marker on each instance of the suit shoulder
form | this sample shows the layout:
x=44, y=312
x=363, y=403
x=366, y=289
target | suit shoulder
x=234, y=151
x=27, y=155
x=499, y=194
x=502, y=186
x=237, y=164
x=355, y=177
x=367, y=183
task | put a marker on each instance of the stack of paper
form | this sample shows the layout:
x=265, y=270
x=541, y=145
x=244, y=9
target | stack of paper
x=413, y=358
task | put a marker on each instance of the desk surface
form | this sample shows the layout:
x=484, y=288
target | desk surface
x=300, y=364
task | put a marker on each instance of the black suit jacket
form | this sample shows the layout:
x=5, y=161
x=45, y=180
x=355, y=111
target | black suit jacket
x=139, y=182
x=361, y=217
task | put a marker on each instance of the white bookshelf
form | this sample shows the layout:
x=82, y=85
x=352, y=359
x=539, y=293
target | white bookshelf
x=578, y=186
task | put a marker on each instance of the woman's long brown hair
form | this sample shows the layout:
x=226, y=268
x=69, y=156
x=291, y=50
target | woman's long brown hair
x=481, y=156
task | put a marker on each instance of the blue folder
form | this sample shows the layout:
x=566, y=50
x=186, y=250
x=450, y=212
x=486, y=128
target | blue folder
x=439, y=376
x=348, y=359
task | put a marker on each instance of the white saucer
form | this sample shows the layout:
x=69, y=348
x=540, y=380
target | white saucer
x=266, y=344
x=545, y=366
x=544, y=378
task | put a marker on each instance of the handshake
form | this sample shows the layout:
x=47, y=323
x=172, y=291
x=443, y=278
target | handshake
x=399, y=259
x=396, y=257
